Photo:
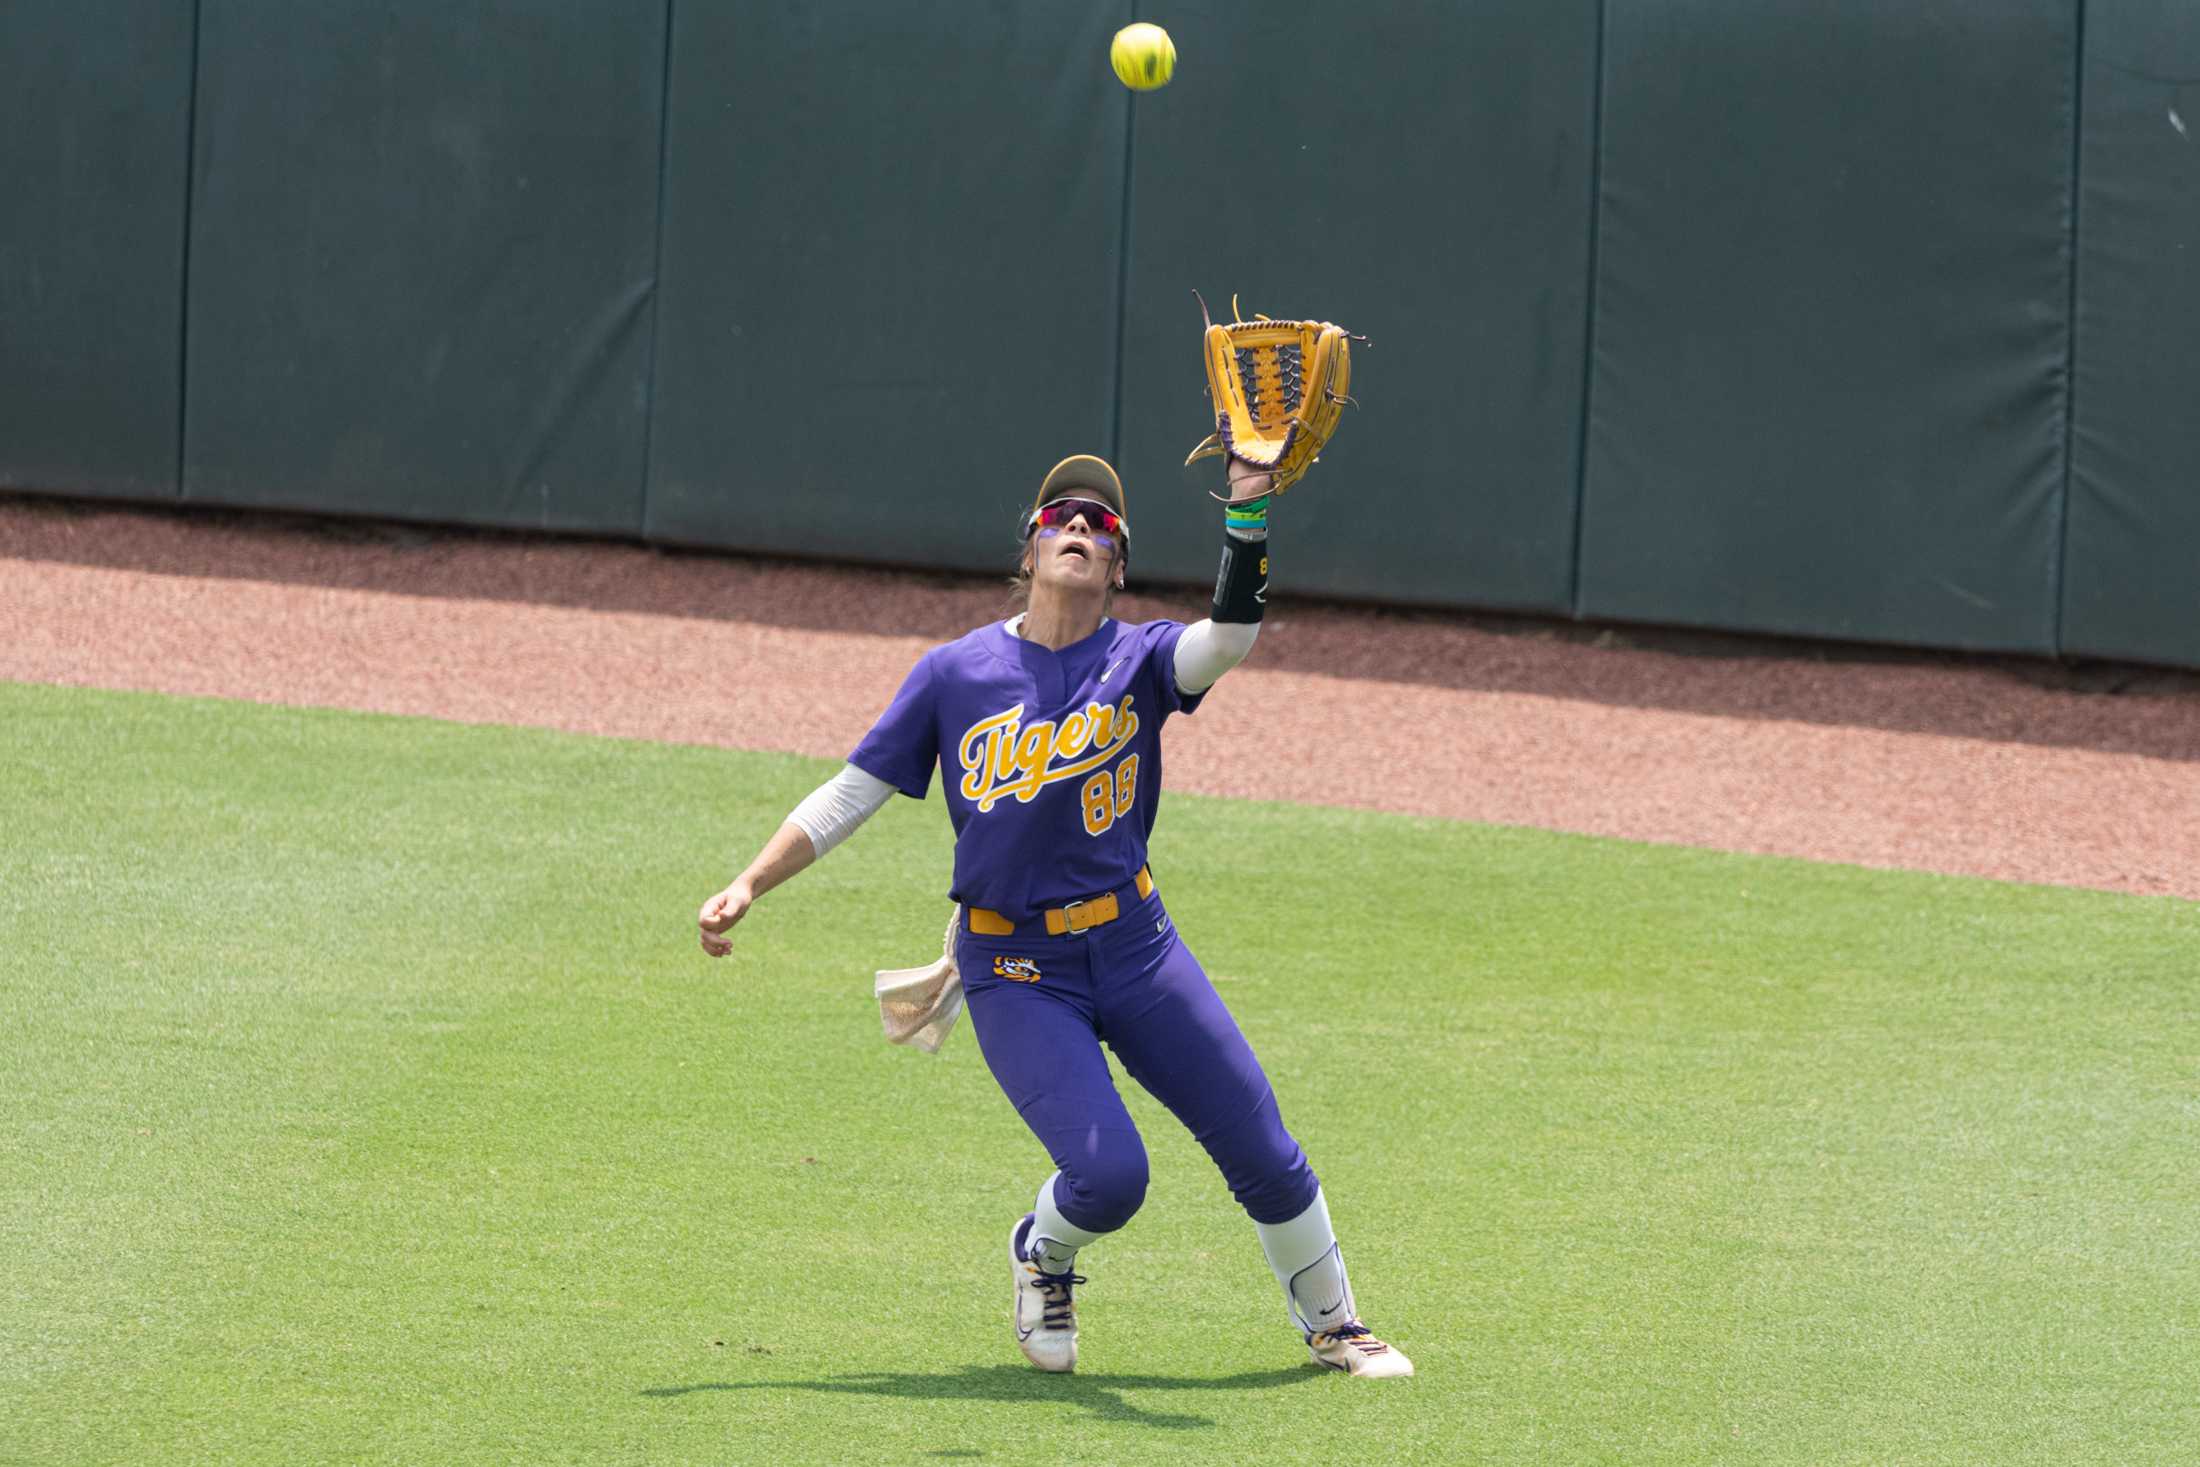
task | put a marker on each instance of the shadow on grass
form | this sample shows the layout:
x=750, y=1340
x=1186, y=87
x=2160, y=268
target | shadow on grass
x=1099, y=1394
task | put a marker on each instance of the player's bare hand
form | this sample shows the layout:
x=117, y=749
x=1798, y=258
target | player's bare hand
x=1248, y=481
x=718, y=916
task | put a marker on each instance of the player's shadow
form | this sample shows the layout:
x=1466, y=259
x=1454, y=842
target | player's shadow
x=1016, y=1384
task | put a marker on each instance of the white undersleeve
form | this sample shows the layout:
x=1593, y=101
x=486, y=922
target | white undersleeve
x=1209, y=649
x=836, y=807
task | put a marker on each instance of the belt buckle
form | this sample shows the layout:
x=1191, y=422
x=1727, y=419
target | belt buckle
x=1074, y=917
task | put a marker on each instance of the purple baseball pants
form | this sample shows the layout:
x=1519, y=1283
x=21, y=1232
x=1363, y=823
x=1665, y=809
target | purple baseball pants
x=1133, y=985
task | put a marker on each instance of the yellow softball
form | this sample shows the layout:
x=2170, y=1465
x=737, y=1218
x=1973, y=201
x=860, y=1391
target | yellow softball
x=1144, y=57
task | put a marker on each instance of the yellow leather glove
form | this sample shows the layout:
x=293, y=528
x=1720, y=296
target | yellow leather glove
x=1279, y=390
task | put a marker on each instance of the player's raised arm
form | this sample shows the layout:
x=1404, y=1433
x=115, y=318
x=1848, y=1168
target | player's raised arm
x=1278, y=390
x=824, y=818
x=1210, y=648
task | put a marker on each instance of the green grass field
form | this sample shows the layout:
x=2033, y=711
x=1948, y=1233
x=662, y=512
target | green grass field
x=367, y=1100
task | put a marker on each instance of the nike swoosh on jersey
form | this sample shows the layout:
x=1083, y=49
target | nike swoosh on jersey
x=1260, y=597
x=1111, y=669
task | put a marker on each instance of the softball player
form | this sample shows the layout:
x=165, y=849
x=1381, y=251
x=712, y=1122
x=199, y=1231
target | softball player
x=1046, y=731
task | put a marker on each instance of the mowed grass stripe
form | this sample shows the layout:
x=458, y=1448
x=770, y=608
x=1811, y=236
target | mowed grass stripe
x=373, y=1104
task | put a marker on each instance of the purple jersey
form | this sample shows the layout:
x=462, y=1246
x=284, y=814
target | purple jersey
x=1051, y=760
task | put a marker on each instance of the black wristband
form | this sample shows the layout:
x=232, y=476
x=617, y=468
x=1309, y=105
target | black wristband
x=1241, y=586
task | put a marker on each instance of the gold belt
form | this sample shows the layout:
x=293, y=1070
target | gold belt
x=1085, y=912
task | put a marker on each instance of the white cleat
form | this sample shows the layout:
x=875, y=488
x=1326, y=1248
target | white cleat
x=1046, y=1313
x=1350, y=1348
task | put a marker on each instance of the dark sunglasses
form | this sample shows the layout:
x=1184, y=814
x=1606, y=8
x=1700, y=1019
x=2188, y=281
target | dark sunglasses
x=1060, y=512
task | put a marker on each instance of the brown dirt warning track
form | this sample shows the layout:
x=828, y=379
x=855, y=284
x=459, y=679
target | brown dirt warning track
x=2001, y=768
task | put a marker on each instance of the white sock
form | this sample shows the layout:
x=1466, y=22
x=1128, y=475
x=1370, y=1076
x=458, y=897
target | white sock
x=1304, y=1256
x=1054, y=1239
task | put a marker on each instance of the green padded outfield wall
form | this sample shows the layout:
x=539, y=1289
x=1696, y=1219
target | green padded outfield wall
x=1417, y=173
x=422, y=258
x=1753, y=314
x=1830, y=341
x=889, y=273
x=95, y=107
x=2131, y=585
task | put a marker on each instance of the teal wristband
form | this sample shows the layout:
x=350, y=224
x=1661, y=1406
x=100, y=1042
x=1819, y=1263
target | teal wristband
x=1250, y=515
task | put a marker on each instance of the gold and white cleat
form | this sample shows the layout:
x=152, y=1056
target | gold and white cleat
x=1046, y=1308
x=1350, y=1348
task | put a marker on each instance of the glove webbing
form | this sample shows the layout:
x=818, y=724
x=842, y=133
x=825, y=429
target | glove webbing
x=1274, y=377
